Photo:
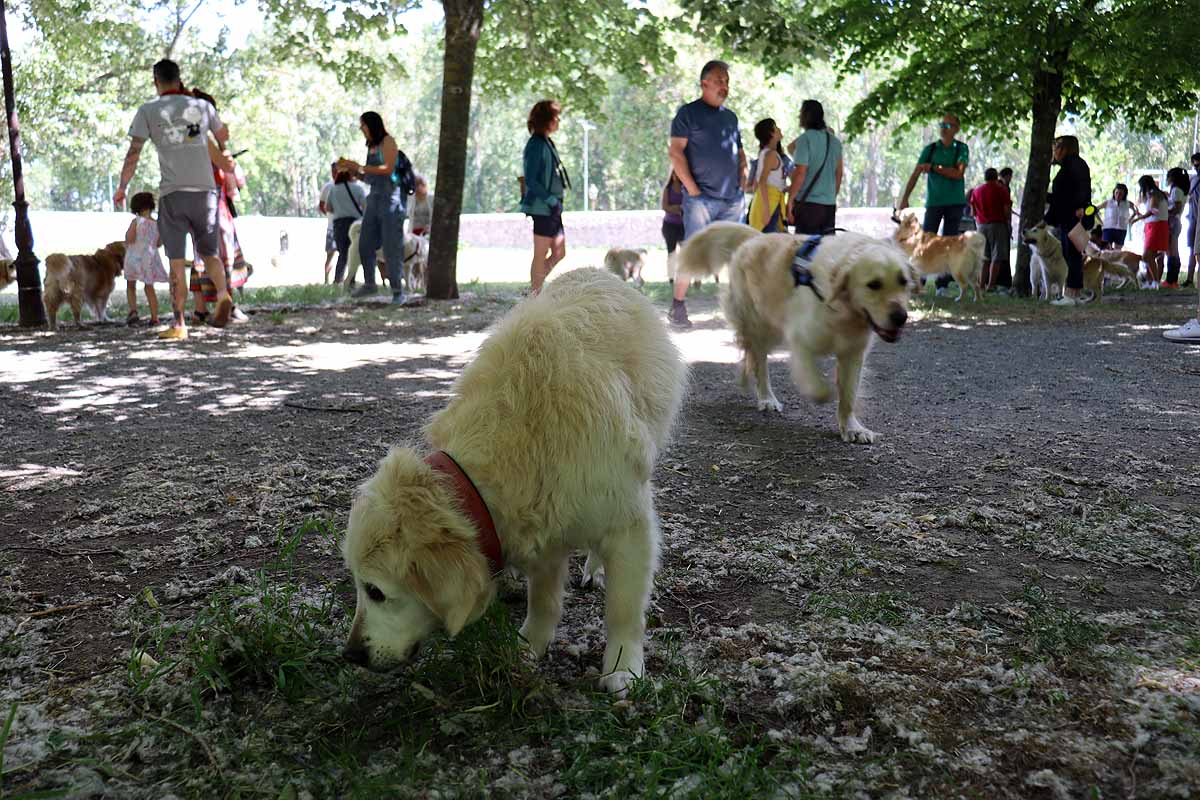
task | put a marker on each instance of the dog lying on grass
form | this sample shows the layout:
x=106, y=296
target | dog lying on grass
x=547, y=447
x=850, y=286
x=82, y=280
x=930, y=254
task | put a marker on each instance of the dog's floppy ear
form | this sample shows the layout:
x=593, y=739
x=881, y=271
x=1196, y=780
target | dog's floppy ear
x=451, y=578
x=839, y=283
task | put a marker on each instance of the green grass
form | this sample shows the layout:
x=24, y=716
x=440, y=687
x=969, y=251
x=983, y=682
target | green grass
x=885, y=608
x=251, y=699
x=1053, y=631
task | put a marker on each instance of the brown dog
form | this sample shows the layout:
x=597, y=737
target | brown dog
x=1112, y=262
x=8, y=272
x=82, y=279
x=961, y=256
x=625, y=264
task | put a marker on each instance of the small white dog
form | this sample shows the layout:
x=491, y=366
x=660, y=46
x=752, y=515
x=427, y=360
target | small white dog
x=821, y=295
x=547, y=447
x=1048, y=265
x=416, y=259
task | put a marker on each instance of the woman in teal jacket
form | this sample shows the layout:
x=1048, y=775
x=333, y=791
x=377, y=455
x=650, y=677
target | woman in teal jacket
x=545, y=182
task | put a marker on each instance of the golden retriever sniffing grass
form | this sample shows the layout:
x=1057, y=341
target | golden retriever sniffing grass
x=852, y=285
x=1048, y=265
x=556, y=426
x=82, y=280
x=961, y=256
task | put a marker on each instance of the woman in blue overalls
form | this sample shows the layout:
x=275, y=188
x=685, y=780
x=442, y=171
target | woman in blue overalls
x=383, y=217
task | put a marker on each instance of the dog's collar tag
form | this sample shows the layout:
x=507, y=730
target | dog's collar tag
x=801, y=274
x=473, y=506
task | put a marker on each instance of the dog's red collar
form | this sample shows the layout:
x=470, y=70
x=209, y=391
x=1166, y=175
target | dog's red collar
x=473, y=505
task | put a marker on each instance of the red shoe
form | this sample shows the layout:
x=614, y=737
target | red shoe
x=1165, y=285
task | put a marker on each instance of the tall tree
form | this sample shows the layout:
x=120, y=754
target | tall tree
x=993, y=62
x=555, y=46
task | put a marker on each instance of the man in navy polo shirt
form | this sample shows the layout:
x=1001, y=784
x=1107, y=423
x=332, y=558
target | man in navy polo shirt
x=706, y=152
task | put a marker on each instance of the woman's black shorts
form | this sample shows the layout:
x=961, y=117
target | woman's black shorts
x=549, y=225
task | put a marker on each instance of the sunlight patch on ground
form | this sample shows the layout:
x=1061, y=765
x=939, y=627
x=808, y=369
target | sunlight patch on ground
x=31, y=476
x=708, y=344
x=21, y=368
x=954, y=327
x=338, y=356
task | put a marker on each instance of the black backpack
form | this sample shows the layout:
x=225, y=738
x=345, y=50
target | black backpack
x=403, y=174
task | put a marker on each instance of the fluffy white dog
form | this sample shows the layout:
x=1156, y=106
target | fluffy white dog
x=826, y=301
x=555, y=428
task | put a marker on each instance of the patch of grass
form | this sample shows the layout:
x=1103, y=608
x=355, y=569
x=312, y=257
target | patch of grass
x=1053, y=631
x=260, y=668
x=270, y=635
x=300, y=294
x=885, y=608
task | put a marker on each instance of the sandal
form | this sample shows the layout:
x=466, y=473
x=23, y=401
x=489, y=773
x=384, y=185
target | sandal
x=132, y=319
x=199, y=317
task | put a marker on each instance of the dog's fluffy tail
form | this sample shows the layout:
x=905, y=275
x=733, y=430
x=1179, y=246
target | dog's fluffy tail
x=708, y=252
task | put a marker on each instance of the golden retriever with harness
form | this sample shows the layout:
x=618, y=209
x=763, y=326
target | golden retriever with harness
x=820, y=295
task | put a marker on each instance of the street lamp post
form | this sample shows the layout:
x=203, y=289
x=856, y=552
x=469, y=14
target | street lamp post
x=29, y=283
x=587, y=126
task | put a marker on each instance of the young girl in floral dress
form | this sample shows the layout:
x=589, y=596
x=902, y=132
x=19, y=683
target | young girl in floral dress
x=142, y=260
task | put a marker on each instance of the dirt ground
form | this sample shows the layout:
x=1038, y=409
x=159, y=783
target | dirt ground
x=1001, y=598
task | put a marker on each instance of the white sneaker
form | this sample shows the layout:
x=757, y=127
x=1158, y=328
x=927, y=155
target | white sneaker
x=1065, y=301
x=1188, y=332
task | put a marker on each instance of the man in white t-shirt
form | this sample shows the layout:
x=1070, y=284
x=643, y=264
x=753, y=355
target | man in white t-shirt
x=323, y=207
x=188, y=135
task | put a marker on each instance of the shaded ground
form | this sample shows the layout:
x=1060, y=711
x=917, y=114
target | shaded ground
x=999, y=599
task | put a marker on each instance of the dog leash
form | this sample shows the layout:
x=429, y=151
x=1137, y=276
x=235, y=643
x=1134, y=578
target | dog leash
x=801, y=262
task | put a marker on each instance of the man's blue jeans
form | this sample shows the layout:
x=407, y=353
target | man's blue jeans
x=698, y=212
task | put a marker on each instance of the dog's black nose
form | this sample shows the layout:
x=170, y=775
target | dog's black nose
x=898, y=317
x=355, y=654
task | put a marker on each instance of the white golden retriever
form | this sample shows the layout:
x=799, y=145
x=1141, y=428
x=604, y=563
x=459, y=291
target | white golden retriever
x=1048, y=265
x=859, y=285
x=558, y=423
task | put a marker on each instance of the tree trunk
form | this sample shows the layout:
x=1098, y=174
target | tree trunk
x=464, y=19
x=1047, y=103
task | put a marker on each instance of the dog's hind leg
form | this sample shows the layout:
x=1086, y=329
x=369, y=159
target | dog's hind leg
x=849, y=371
x=52, y=299
x=544, y=601
x=629, y=557
x=756, y=364
x=76, y=309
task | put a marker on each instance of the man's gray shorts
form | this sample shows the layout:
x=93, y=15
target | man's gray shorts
x=181, y=213
x=996, y=237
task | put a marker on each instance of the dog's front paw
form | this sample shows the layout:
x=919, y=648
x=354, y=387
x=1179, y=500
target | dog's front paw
x=536, y=641
x=770, y=404
x=854, y=433
x=617, y=683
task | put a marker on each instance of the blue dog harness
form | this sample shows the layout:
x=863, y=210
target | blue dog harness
x=801, y=274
